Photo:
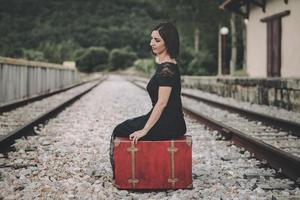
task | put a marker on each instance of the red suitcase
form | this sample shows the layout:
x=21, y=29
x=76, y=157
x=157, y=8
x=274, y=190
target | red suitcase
x=153, y=164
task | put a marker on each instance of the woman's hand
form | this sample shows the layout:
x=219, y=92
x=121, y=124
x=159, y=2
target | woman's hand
x=137, y=135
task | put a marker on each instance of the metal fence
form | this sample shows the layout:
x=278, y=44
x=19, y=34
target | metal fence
x=20, y=79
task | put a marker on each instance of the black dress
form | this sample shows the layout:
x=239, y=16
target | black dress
x=171, y=123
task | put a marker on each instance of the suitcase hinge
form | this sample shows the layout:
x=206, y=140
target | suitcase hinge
x=133, y=181
x=132, y=150
x=172, y=151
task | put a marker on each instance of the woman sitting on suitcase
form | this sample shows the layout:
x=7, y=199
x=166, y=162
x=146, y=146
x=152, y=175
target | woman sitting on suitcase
x=165, y=120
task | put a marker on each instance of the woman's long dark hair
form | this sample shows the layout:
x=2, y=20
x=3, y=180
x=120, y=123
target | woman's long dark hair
x=168, y=32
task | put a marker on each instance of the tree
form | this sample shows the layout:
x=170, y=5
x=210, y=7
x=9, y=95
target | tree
x=196, y=18
x=121, y=58
x=200, y=16
x=93, y=59
x=233, y=44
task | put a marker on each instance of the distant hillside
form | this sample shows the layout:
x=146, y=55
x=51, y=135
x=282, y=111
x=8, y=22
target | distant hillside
x=88, y=30
x=41, y=27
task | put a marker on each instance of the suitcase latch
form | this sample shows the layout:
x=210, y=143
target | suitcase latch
x=172, y=151
x=132, y=149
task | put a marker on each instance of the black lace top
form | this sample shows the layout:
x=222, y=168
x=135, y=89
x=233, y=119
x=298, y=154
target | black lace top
x=171, y=123
x=167, y=74
x=171, y=120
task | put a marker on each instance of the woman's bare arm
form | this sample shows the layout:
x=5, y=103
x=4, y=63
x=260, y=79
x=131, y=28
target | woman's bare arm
x=163, y=98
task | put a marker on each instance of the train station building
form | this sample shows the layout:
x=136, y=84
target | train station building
x=273, y=41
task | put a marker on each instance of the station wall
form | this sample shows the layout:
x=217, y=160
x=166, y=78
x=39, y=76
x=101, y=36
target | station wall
x=279, y=92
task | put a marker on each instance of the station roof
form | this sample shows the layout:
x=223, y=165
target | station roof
x=242, y=7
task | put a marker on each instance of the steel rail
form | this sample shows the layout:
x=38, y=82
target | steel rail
x=282, y=161
x=7, y=140
x=294, y=127
x=291, y=126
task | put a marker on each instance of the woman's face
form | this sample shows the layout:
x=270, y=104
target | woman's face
x=157, y=43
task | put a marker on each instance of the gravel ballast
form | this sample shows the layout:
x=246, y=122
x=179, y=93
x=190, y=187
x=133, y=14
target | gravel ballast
x=68, y=158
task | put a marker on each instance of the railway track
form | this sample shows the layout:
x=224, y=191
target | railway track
x=270, y=139
x=292, y=127
x=22, y=120
x=68, y=157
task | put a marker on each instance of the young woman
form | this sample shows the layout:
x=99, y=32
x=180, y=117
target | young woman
x=165, y=120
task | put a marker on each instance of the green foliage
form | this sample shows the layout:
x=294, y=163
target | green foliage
x=191, y=15
x=146, y=66
x=30, y=54
x=185, y=57
x=58, y=52
x=201, y=64
x=240, y=72
x=47, y=26
x=93, y=59
x=121, y=58
x=79, y=52
x=46, y=30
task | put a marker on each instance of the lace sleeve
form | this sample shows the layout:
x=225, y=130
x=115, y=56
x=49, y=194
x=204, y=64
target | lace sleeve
x=166, y=76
